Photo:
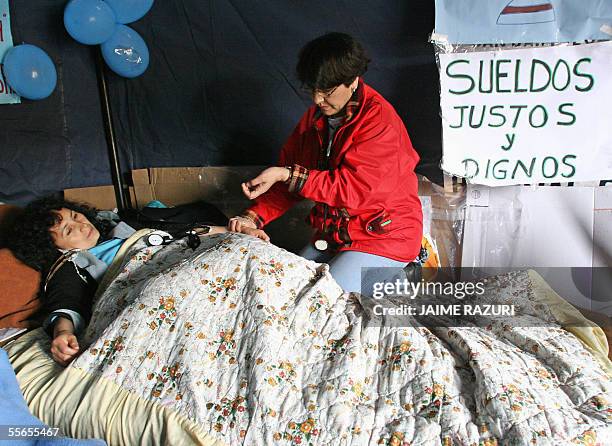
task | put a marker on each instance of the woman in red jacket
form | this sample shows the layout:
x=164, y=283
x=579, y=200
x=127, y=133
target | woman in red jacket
x=350, y=154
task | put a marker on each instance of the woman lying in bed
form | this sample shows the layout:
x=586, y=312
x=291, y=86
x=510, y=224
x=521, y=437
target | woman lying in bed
x=72, y=245
x=255, y=345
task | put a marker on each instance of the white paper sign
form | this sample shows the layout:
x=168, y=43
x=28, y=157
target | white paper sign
x=522, y=116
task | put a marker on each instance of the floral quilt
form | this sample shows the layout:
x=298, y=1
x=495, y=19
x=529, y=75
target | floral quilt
x=261, y=347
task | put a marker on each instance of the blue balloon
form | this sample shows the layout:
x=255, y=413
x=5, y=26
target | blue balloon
x=89, y=21
x=30, y=72
x=128, y=11
x=126, y=53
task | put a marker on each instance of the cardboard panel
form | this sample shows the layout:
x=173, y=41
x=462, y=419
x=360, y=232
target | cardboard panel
x=178, y=185
x=100, y=197
x=210, y=175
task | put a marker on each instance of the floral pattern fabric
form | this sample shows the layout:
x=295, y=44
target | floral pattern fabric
x=261, y=347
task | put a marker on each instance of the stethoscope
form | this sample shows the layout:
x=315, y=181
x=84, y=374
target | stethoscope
x=158, y=238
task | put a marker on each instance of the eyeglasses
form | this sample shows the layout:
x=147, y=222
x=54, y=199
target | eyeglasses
x=323, y=94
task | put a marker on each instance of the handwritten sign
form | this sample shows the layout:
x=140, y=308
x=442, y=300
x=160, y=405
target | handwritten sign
x=520, y=116
x=7, y=95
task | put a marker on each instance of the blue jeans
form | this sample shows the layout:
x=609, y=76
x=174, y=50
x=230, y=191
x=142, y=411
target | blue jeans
x=346, y=268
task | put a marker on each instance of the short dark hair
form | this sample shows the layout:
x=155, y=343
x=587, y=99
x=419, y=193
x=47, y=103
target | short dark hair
x=29, y=238
x=331, y=60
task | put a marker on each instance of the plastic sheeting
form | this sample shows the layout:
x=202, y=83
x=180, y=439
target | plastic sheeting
x=220, y=88
x=444, y=219
x=523, y=21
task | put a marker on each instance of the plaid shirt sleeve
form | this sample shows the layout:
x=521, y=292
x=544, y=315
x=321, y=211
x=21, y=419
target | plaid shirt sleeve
x=297, y=179
x=254, y=217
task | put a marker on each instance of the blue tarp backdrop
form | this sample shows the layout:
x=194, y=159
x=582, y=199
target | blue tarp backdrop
x=220, y=88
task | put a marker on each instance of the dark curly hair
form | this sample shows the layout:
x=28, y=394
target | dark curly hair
x=29, y=238
x=331, y=60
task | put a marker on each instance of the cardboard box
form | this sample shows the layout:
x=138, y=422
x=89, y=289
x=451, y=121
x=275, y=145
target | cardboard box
x=100, y=197
x=179, y=185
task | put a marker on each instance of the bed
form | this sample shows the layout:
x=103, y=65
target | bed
x=240, y=342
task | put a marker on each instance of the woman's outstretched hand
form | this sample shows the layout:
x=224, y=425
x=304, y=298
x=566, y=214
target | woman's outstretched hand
x=264, y=181
x=259, y=233
x=236, y=224
x=246, y=226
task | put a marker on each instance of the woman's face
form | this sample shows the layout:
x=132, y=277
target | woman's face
x=73, y=231
x=333, y=101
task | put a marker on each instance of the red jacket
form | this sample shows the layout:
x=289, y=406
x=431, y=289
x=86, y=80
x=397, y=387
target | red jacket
x=370, y=187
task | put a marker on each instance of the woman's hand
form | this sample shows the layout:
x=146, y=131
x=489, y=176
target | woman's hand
x=64, y=348
x=211, y=230
x=256, y=233
x=238, y=223
x=264, y=181
x=247, y=226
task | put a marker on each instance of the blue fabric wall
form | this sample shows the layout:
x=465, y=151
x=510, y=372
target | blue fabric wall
x=220, y=89
x=58, y=142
